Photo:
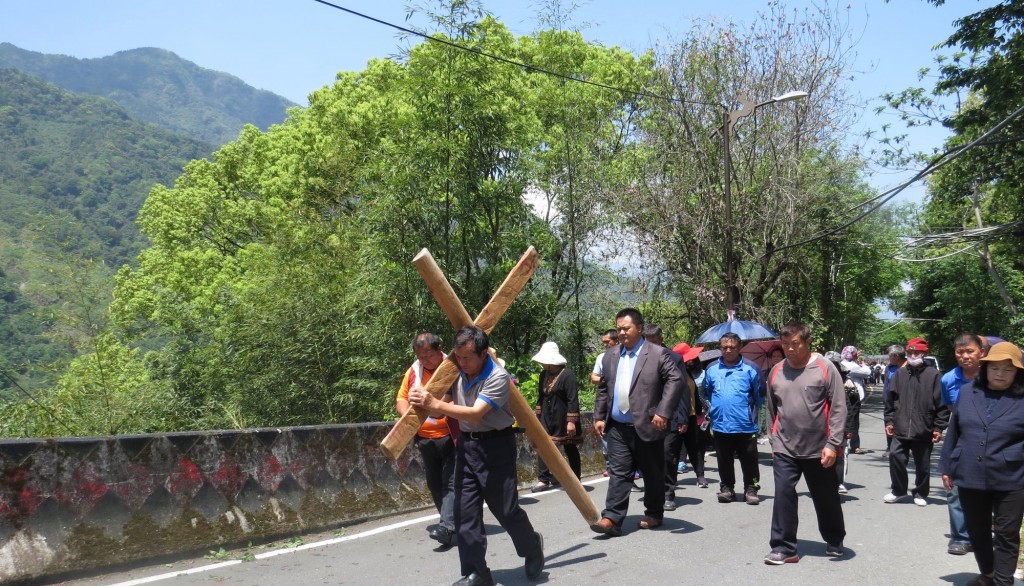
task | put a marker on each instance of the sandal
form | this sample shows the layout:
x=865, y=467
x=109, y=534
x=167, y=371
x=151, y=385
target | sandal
x=540, y=487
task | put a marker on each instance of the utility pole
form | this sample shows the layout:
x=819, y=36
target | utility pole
x=987, y=256
x=728, y=121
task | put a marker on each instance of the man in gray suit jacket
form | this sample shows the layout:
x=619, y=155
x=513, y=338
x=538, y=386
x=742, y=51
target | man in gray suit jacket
x=635, y=402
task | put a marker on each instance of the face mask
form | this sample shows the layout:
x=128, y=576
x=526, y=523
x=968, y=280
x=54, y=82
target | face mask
x=915, y=361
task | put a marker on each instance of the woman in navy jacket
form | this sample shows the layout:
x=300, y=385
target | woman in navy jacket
x=984, y=457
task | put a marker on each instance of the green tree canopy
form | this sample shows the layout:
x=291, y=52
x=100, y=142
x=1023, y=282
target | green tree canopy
x=279, y=281
x=968, y=244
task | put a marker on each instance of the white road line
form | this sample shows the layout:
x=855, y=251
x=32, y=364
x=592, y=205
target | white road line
x=305, y=546
x=170, y=575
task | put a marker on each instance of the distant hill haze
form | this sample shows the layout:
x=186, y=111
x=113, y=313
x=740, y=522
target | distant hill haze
x=74, y=171
x=83, y=143
x=157, y=86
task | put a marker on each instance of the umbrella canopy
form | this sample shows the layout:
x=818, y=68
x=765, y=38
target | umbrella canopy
x=746, y=330
x=760, y=352
x=709, y=355
x=992, y=340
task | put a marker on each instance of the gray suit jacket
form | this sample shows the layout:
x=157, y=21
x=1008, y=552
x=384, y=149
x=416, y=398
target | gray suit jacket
x=655, y=389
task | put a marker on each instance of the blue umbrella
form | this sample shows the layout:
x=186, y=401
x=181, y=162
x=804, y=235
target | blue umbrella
x=746, y=330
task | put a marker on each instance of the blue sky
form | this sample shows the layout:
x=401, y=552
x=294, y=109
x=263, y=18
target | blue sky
x=294, y=47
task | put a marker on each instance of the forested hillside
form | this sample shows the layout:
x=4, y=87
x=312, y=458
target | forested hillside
x=155, y=85
x=74, y=172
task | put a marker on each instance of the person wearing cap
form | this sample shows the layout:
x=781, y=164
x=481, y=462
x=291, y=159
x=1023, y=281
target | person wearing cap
x=692, y=438
x=983, y=457
x=915, y=419
x=433, y=439
x=558, y=409
x=968, y=349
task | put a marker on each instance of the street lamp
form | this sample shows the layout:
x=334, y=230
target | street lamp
x=730, y=118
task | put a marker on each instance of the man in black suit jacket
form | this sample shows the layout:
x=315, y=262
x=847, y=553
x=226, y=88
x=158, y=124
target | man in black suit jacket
x=635, y=403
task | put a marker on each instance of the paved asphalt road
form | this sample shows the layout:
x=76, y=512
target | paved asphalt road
x=702, y=542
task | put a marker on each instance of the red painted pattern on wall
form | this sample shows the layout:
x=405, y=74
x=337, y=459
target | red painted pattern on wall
x=270, y=473
x=186, y=480
x=229, y=477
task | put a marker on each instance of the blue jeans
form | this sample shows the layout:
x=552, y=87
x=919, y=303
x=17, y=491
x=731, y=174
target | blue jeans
x=957, y=524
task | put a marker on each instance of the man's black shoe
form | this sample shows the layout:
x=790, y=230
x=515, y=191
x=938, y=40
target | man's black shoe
x=960, y=548
x=442, y=535
x=475, y=579
x=535, y=561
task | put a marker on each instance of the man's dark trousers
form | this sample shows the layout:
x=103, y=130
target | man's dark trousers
x=626, y=453
x=485, y=472
x=823, y=485
x=673, y=446
x=439, y=469
x=695, y=446
x=898, y=456
x=741, y=446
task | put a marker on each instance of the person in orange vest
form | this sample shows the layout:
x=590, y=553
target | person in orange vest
x=434, y=438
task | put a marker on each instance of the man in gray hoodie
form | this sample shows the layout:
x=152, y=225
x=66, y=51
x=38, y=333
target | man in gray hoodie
x=807, y=420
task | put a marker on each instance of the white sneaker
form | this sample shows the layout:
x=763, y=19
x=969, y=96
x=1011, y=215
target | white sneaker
x=842, y=489
x=920, y=501
x=891, y=498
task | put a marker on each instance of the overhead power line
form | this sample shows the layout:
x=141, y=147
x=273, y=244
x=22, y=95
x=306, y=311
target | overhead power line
x=885, y=196
x=875, y=202
x=36, y=401
x=984, y=233
x=967, y=248
x=527, y=66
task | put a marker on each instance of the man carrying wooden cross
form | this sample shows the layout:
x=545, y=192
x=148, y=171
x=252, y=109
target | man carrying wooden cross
x=485, y=468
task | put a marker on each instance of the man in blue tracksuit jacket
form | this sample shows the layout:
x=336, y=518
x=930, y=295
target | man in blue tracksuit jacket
x=733, y=386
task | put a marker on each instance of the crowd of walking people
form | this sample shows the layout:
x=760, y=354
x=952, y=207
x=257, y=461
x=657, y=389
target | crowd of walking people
x=657, y=408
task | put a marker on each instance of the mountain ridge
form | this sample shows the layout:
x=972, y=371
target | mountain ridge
x=156, y=85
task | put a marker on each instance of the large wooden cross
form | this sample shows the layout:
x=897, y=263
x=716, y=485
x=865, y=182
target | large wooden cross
x=447, y=373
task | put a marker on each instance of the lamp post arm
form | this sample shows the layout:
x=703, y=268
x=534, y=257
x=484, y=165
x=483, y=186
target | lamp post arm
x=747, y=107
x=728, y=119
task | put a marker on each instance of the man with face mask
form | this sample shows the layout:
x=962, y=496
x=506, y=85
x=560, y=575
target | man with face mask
x=915, y=418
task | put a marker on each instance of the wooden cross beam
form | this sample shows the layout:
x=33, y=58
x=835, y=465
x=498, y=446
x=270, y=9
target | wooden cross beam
x=447, y=373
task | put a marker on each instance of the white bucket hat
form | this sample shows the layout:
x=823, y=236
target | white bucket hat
x=549, y=354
